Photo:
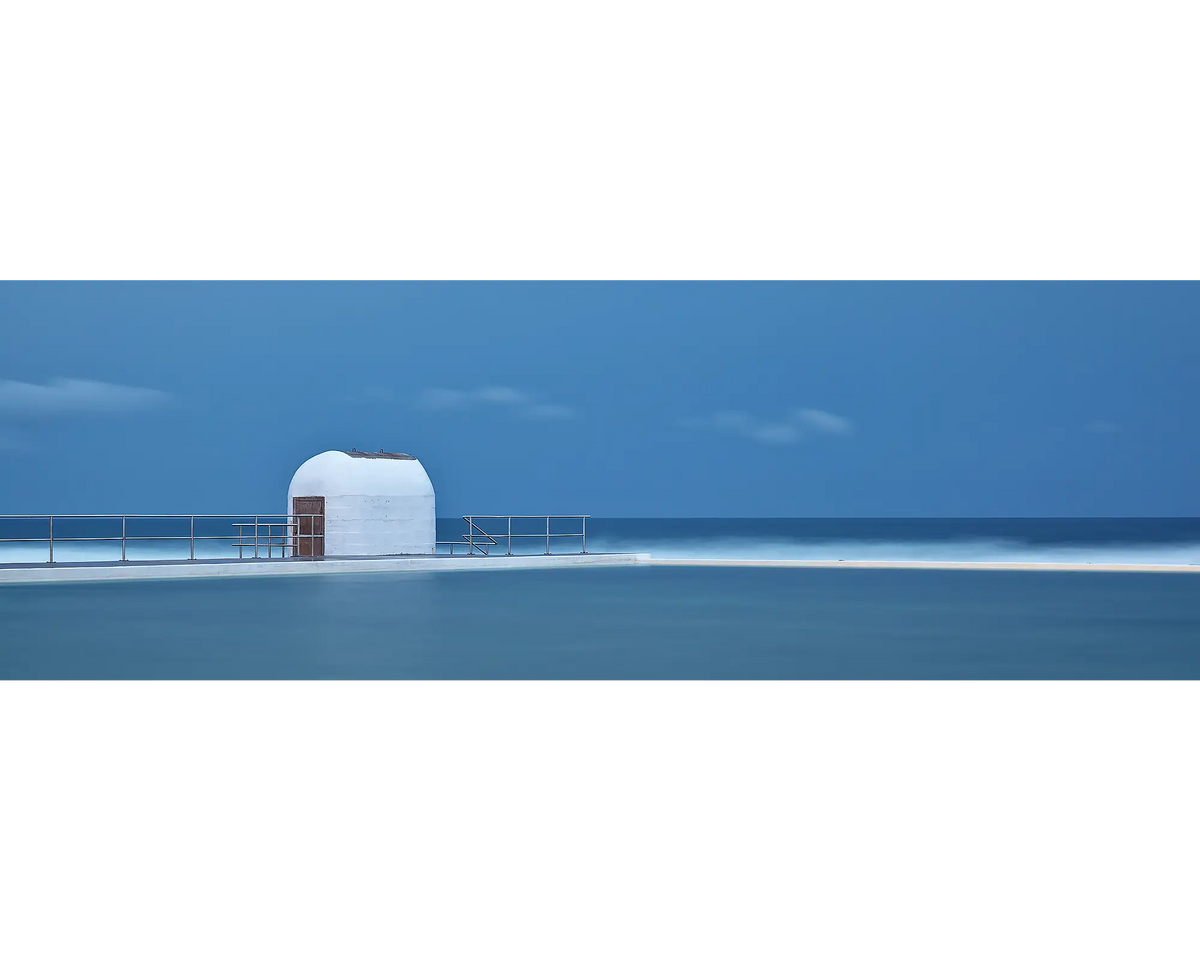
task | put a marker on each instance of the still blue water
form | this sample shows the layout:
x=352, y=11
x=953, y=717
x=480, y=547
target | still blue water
x=657, y=622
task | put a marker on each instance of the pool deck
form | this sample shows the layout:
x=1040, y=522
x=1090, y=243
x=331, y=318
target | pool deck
x=109, y=570
x=1041, y=566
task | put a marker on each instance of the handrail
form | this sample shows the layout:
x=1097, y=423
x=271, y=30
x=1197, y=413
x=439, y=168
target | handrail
x=284, y=530
x=472, y=527
x=144, y=516
x=288, y=526
x=478, y=538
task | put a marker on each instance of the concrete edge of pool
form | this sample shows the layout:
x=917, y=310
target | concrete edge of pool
x=17, y=573
x=303, y=566
x=934, y=565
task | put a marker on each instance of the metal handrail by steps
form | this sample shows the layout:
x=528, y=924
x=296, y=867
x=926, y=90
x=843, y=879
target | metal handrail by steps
x=479, y=541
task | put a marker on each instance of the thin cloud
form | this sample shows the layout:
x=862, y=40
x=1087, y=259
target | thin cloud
x=437, y=398
x=548, y=411
x=798, y=424
x=823, y=421
x=520, y=403
x=64, y=398
x=503, y=395
x=1103, y=426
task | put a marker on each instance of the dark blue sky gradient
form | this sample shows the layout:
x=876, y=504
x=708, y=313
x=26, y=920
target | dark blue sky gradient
x=1017, y=399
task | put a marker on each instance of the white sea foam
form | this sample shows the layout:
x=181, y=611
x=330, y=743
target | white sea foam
x=748, y=548
x=68, y=552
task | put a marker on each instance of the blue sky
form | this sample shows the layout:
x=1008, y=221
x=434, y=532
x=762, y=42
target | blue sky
x=614, y=399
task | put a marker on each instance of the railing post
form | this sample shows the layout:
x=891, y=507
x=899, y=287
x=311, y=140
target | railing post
x=471, y=536
x=584, y=534
x=122, y=538
x=192, y=540
x=51, y=539
x=547, y=536
x=256, y=538
x=510, y=536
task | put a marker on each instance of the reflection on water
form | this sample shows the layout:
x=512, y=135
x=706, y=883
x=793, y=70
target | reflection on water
x=650, y=622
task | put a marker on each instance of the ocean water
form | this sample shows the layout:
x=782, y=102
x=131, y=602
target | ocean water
x=658, y=622
x=1137, y=540
x=1077, y=540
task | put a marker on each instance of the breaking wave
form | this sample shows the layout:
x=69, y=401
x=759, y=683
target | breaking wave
x=989, y=550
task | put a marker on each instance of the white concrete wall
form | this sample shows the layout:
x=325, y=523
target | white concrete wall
x=372, y=507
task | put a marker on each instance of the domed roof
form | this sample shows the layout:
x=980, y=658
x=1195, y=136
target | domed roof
x=354, y=473
x=378, y=456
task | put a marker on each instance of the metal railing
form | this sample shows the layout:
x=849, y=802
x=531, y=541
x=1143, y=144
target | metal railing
x=285, y=533
x=270, y=535
x=479, y=541
x=291, y=535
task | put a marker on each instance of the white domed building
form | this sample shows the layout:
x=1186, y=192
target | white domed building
x=356, y=504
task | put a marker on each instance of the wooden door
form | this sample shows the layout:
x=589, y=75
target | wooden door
x=309, y=531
